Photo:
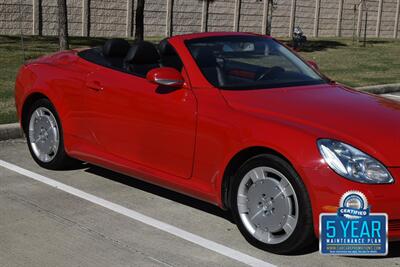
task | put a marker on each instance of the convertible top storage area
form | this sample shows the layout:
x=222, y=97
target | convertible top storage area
x=231, y=62
x=137, y=58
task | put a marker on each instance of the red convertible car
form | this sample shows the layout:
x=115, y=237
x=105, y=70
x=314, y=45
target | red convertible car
x=234, y=119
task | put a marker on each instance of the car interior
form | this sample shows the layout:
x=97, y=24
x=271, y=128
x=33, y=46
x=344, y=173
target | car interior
x=137, y=58
x=142, y=56
x=224, y=64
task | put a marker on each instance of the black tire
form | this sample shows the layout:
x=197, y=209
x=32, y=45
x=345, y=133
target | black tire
x=61, y=160
x=303, y=236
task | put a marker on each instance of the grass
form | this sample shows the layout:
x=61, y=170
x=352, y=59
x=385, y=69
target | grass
x=353, y=65
x=339, y=59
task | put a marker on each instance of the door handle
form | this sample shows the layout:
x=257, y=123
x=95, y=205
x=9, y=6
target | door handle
x=95, y=85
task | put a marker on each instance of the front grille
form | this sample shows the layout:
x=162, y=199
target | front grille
x=394, y=225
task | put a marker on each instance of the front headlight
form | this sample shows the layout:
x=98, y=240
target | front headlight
x=352, y=163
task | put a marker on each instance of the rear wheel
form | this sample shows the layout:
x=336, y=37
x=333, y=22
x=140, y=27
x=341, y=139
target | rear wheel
x=45, y=137
x=271, y=206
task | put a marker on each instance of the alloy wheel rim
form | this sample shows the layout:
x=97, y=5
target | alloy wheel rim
x=267, y=205
x=44, y=135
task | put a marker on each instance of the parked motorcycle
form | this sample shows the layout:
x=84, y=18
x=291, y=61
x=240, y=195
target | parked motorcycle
x=299, y=39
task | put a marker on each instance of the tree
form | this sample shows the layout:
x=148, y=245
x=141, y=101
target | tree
x=139, y=20
x=273, y=5
x=62, y=24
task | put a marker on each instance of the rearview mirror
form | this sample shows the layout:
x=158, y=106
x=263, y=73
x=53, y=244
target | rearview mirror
x=166, y=76
x=313, y=64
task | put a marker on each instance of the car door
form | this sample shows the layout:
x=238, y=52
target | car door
x=136, y=120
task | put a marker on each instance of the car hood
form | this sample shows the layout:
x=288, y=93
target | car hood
x=368, y=122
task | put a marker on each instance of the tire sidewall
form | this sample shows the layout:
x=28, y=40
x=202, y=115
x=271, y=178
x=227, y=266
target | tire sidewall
x=60, y=155
x=304, y=231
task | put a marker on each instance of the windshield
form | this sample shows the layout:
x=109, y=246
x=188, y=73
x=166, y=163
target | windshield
x=250, y=62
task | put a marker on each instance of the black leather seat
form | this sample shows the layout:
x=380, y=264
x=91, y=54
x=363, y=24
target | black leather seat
x=114, y=51
x=169, y=57
x=207, y=62
x=141, y=58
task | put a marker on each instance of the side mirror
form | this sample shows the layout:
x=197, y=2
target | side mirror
x=166, y=76
x=313, y=64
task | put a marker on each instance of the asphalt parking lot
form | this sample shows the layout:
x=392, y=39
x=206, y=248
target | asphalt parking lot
x=94, y=217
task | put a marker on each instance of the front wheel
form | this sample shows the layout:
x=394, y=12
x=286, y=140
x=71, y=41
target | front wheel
x=271, y=206
x=45, y=137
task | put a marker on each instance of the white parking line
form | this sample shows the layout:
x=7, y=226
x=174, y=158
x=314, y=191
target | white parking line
x=208, y=244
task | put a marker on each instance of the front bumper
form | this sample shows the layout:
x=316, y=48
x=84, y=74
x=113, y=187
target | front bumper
x=325, y=189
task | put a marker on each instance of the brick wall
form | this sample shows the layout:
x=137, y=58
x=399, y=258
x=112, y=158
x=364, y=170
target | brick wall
x=74, y=17
x=108, y=18
x=221, y=15
x=49, y=17
x=305, y=12
x=154, y=17
x=10, y=13
x=388, y=18
x=281, y=18
x=251, y=15
x=372, y=16
x=350, y=18
x=328, y=17
x=186, y=16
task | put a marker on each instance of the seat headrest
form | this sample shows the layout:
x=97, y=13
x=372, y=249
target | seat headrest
x=142, y=52
x=115, y=48
x=205, y=57
x=165, y=48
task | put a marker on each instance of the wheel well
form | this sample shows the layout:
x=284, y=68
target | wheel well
x=25, y=108
x=235, y=163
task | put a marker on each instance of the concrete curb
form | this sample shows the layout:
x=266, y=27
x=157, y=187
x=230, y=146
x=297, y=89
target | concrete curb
x=10, y=131
x=381, y=89
x=14, y=131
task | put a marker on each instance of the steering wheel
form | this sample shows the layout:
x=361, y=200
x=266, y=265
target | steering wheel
x=270, y=72
x=220, y=62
